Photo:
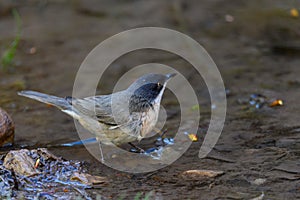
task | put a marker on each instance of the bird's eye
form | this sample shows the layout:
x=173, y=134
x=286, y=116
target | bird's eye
x=158, y=84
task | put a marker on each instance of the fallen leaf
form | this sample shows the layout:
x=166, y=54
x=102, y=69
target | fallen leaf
x=198, y=174
x=88, y=179
x=294, y=12
x=277, y=102
x=193, y=137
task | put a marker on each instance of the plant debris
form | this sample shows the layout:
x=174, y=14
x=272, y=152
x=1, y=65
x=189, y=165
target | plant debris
x=37, y=173
x=193, y=137
x=20, y=162
x=259, y=101
x=294, y=13
x=277, y=102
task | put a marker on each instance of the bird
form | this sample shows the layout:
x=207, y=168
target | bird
x=123, y=117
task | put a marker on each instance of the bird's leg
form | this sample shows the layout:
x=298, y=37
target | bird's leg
x=161, y=135
x=139, y=149
x=101, y=152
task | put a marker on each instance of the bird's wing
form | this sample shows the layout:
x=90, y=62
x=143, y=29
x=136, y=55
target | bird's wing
x=99, y=107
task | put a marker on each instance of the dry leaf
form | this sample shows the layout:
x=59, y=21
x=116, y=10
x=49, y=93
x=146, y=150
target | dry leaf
x=277, y=102
x=193, y=137
x=88, y=179
x=294, y=12
x=198, y=174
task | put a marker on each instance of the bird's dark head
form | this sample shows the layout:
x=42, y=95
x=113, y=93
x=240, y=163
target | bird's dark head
x=147, y=90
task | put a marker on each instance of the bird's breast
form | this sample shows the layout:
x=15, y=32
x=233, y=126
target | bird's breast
x=149, y=119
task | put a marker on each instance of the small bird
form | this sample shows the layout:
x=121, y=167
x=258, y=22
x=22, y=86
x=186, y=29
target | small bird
x=124, y=116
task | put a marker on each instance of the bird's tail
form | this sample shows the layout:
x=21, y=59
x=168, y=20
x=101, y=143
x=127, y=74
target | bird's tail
x=58, y=102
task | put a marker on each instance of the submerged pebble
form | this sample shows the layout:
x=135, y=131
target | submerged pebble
x=257, y=100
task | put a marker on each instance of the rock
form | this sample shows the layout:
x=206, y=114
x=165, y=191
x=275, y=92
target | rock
x=20, y=162
x=7, y=129
x=259, y=181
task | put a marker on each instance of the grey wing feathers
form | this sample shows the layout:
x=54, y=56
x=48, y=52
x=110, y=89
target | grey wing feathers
x=99, y=107
x=96, y=107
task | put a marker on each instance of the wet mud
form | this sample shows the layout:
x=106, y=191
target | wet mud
x=255, y=45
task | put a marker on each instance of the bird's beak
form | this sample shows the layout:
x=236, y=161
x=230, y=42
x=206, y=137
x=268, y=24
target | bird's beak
x=171, y=75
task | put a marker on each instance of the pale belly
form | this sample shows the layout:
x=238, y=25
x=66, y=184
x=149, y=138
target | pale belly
x=149, y=121
x=143, y=125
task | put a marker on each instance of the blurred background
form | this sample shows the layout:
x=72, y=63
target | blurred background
x=255, y=44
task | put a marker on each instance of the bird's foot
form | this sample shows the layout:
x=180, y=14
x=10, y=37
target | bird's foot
x=136, y=149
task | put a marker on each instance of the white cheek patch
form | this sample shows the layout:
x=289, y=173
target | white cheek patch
x=72, y=114
x=158, y=98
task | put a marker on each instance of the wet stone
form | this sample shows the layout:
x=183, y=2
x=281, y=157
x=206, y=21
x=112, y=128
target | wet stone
x=20, y=162
x=7, y=129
